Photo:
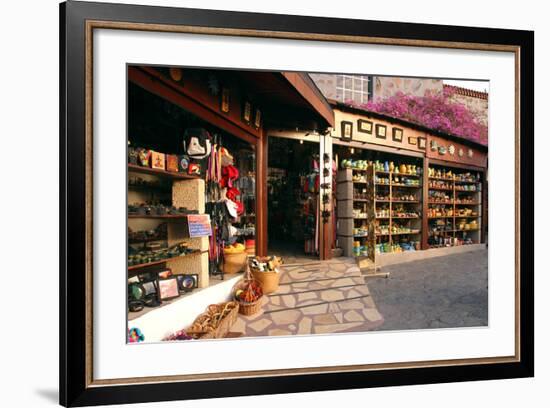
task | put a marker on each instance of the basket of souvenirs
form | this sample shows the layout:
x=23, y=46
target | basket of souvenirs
x=234, y=258
x=265, y=269
x=248, y=294
x=215, y=322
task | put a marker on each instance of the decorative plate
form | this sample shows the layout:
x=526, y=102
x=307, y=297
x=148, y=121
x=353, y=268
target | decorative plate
x=452, y=150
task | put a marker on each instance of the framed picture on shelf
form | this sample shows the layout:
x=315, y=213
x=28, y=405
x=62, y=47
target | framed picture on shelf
x=104, y=112
x=188, y=282
x=168, y=288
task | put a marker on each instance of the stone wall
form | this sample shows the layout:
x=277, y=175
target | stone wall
x=478, y=106
x=385, y=87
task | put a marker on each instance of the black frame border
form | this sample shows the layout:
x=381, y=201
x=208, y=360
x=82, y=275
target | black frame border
x=73, y=389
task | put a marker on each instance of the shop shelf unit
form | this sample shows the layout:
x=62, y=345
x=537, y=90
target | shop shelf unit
x=460, y=220
x=404, y=196
x=178, y=184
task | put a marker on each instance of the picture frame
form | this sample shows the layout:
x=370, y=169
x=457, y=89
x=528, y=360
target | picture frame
x=188, y=282
x=397, y=134
x=381, y=131
x=78, y=23
x=364, y=126
x=247, y=112
x=257, y=118
x=225, y=100
x=346, y=129
x=168, y=288
x=413, y=140
x=422, y=143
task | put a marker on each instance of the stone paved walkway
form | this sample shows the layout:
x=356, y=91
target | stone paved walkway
x=445, y=291
x=313, y=298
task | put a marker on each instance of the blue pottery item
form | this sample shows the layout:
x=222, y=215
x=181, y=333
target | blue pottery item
x=386, y=166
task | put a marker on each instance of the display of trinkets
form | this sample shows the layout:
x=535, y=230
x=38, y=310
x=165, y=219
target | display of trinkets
x=146, y=256
x=160, y=233
x=399, y=211
x=145, y=209
x=136, y=181
x=172, y=163
x=382, y=197
x=405, y=181
x=468, y=187
x=158, y=160
x=404, y=197
x=440, y=185
x=439, y=197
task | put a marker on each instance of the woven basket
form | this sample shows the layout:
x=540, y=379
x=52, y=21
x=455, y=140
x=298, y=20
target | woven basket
x=249, y=309
x=212, y=326
x=234, y=263
x=269, y=281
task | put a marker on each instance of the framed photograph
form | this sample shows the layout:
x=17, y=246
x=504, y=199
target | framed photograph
x=413, y=140
x=188, y=282
x=364, y=126
x=346, y=130
x=247, y=112
x=143, y=77
x=168, y=288
x=422, y=143
x=257, y=118
x=381, y=131
x=225, y=100
x=397, y=134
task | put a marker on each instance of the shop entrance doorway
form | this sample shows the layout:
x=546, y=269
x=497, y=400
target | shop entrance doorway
x=293, y=221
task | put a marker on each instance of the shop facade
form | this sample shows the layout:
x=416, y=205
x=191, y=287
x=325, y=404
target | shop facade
x=363, y=183
x=429, y=189
x=171, y=187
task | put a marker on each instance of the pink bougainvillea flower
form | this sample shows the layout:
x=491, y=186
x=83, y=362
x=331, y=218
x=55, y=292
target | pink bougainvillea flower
x=434, y=110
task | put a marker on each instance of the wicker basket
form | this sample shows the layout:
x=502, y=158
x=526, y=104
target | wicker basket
x=246, y=283
x=269, y=281
x=234, y=263
x=210, y=325
x=249, y=309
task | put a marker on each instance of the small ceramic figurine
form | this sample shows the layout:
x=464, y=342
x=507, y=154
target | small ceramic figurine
x=135, y=335
x=386, y=166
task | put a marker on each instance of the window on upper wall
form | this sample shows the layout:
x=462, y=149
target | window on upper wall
x=355, y=88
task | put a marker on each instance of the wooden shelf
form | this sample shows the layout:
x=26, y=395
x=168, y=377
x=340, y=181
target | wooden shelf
x=440, y=189
x=441, y=178
x=467, y=203
x=161, y=261
x=405, y=202
x=441, y=202
x=165, y=216
x=393, y=173
x=404, y=185
x=133, y=168
x=467, y=182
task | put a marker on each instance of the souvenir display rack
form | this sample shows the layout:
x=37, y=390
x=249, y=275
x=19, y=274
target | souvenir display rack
x=454, y=207
x=395, y=203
